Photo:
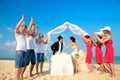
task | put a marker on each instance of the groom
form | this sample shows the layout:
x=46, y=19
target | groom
x=57, y=46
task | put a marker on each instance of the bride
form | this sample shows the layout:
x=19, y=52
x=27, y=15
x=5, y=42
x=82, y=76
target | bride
x=78, y=56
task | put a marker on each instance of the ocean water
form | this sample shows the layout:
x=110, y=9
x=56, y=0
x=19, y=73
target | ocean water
x=116, y=61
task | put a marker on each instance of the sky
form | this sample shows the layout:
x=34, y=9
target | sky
x=90, y=15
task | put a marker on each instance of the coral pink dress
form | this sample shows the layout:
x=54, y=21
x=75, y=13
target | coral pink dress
x=89, y=53
x=109, y=54
x=98, y=54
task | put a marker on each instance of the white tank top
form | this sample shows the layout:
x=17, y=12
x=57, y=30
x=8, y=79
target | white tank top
x=40, y=48
x=30, y=42
x=21, y=42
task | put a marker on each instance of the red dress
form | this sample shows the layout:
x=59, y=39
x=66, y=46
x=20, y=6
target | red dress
x=98, y=54
x=89, y=53
x=109, y=54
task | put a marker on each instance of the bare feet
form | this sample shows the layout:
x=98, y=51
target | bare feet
x=36, y=72
x=21, y=77
x=90, y=71
x=31, y=75
x=101, y=72
x=76, y=71
x=41, y=72
x=113, y=76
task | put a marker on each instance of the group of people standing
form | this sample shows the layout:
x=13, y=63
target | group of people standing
x=80, y=61
x=104, y=37
x=25, y=49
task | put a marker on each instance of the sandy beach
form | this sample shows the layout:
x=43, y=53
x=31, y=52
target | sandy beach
x=7, y=73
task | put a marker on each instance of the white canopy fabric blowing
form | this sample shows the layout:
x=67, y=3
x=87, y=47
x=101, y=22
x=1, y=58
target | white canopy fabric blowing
x=73, y=28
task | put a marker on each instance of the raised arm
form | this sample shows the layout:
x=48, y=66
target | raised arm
x=19, y=24
x=36, y=31
x=46, y=40
x=31, y=24
x=94, y=43
x=104, y=39
x=84, y=39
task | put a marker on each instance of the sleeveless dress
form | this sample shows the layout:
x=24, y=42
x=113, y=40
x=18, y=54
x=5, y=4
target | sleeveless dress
x=109, y=54
x=98, y=53
x=89, y=53
x=80, y=58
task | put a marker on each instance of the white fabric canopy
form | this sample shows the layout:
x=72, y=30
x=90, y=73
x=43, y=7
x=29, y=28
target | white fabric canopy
x=73, y=28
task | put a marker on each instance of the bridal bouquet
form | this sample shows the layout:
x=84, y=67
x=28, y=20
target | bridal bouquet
x=77, y=56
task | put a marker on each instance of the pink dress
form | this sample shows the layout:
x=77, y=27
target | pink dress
x=89, y=53
x=109, y=54
x=98, y=54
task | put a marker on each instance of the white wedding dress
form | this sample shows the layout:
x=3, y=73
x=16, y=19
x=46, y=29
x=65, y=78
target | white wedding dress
x=79, y=56
x=61, y=64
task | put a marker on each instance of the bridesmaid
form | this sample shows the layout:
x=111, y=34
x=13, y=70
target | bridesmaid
x=88, y=41
x=109, y=54
x=98, y=51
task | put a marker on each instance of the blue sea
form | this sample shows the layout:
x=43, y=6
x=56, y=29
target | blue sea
x=117, y=59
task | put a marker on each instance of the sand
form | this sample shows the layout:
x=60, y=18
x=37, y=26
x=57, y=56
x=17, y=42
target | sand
x=7, y=73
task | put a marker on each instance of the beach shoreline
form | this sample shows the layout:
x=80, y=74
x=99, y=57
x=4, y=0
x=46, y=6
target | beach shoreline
x=7, y=73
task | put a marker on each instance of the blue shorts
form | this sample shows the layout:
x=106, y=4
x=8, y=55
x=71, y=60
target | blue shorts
x=20, y=57
x=30, y=57
x=40, y=57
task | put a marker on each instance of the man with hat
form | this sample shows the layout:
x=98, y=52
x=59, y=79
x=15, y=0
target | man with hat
x=57, y=46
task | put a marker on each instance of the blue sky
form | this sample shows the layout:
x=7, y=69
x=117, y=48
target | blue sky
x=90, y=15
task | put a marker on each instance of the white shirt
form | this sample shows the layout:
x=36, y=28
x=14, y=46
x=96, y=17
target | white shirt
x=21, y=42
x=30, y=42
x=40, y=48
x=59, y=51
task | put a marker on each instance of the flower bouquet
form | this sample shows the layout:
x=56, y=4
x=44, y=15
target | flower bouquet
x=77, y=56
